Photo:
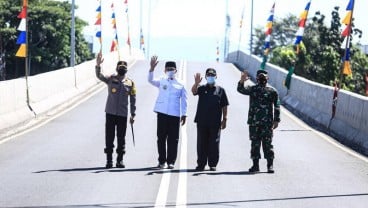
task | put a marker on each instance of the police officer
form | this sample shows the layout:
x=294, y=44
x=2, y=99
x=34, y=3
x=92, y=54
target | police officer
x=171, y=109
x=121, y=92
x=263, y=117
x=210, y=117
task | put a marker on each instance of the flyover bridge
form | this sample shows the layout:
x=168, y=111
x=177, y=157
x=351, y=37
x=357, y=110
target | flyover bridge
x=59, y=162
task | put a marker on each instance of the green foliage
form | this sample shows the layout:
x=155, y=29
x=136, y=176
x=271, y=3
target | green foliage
x=321, y=51
x=49, y=28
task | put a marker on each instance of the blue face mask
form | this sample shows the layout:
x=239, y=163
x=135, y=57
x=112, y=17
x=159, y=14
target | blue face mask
x=170, y=74
x=211, y=80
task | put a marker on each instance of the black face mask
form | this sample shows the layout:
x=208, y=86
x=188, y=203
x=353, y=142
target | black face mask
x=122, y=71
x=262, y=80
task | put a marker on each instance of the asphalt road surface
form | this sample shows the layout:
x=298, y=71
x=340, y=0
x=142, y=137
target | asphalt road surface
x=61, y=163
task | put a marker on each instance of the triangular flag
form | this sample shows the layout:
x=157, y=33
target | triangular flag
x=22, y=51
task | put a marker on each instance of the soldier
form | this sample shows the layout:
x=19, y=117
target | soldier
x=171, y=109
x=263, y=117
x=210, y=117
x=120, y=88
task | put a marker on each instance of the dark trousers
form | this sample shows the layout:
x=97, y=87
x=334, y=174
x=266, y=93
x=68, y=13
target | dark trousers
x=118, y=123
x=261, y=136
x=167, y=135
x=208, y=145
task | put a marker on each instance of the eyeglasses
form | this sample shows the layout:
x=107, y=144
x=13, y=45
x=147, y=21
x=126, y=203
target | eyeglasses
x=170, y=69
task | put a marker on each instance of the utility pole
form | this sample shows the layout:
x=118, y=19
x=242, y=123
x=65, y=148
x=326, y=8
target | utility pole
x=72, y=36
x=251, y=30
x=227, y=30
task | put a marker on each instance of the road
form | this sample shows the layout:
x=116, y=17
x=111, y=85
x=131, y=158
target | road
x=61, y=163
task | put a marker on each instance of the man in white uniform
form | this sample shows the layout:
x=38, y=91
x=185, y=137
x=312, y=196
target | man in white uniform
x=171, y=109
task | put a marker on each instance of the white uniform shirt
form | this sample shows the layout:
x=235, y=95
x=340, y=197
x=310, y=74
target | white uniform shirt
x=172, y=97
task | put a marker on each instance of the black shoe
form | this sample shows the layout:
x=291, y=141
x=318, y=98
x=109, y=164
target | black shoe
x=199, y=168
x=108, y=164
x=270, y=166
x=161, y=166
x=254, y=169
x=120, y=164
x=170, y=166
x=212, y=168
x=270, y=169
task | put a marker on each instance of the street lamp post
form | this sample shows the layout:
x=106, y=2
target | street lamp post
x=72, y=36
x=251, y=29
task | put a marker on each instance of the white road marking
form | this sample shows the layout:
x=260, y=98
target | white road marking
x=161, y=198
x=181, y=197
x=163, y=190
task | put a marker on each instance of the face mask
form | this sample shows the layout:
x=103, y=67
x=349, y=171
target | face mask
x=122, y=71
x=262, y=80
x=170, y=74
x=211, y=80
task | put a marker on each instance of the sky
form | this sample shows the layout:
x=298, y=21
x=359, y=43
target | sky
x=206, y=18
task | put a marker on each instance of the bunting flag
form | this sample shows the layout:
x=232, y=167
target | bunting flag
x=268, y=32
x=115, y=42
x=346, y=70
x=366, y=83
x=302, y=23
x=141, y=42
x=98, y=24
x=127, y=16
x=217, y=52
x=22, y=38
x=288, y=77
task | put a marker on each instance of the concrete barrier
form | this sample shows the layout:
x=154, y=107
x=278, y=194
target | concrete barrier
x=312, y=102
x=50, y=90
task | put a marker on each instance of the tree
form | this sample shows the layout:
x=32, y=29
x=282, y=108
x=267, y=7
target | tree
x=321, y=52
x=49, y=27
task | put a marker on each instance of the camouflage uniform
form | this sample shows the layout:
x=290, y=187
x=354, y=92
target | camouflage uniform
x=264, y=109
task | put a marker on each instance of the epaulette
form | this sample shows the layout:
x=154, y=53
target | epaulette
x=128, y=82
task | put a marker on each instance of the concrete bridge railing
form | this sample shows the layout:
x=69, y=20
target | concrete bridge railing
x=313, y=103
x=49, y=90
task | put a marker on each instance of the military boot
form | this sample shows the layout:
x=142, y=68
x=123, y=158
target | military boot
x=255, y=167
x=108, y=160
x=270, y=166
x=119, y=161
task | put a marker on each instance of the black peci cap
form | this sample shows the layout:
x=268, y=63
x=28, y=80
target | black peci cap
x=263, y=72
x=122, y=63
x=211, y=71
x=170, y=64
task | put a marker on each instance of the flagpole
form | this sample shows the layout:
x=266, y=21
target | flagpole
x=72, y=36
x=240, y=32
x=347, y=44
x=72, y=43
x=251, y=29
x=26, y=58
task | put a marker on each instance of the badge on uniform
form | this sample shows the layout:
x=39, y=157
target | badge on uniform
x=113, y=90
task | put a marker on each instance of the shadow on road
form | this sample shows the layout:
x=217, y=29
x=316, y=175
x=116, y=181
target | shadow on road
x=98, y=170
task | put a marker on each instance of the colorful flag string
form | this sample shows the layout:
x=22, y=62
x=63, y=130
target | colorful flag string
x=98, y=25
x=346, y=69
x=115, y=43
x=298, y=40
x=22, y=38
x=268, y=33
x=127, y=16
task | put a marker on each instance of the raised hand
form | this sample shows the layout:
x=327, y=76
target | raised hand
x=197, y=78
x=153, y=63
x=99, y=59
x=244, y=76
